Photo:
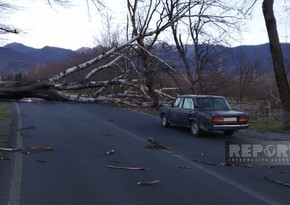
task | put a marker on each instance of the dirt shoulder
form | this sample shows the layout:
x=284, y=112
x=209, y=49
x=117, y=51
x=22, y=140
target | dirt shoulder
x=263, y=135
x=5, y=122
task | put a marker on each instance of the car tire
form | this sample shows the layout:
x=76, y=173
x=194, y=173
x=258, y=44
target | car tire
x=164, y=121
x=229, y=132
x=195, y=129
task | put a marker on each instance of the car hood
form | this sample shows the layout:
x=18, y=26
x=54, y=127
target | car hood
x=224, y=112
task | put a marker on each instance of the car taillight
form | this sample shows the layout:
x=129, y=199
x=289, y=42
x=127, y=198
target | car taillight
x=216, y=119
x=244, y=118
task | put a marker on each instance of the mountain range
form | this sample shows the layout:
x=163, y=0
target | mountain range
x=16, y=57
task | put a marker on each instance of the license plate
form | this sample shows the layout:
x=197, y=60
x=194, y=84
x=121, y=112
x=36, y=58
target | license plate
x=230, y=119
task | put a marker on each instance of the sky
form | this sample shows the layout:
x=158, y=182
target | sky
x=73, y=28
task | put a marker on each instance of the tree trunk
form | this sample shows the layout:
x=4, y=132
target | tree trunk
x=21, y=89
x=278, y=63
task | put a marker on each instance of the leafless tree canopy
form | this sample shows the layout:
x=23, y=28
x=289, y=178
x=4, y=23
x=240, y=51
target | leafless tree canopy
x=137, y=67
x=5, y=9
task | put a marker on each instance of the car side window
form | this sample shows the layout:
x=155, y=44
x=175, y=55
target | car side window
x=188, y=103
x=221, y=104
x=204, y=103
x=178, y=102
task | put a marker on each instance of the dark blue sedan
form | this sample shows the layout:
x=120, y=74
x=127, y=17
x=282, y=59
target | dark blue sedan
x=203, y=113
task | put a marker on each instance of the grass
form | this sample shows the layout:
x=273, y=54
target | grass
x=4, y=106
x=274, y=126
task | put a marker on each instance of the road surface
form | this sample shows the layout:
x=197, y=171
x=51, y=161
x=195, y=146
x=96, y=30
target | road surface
x=87, y=142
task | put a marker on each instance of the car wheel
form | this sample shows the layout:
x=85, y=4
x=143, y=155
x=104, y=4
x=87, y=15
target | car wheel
x=229, y=132
x=194, y=129
x=164, y=121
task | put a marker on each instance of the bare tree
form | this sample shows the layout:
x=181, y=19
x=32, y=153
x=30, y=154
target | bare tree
x=267, y=87
x=110, y=35
x=207, y=23
x=6, y=8
x=141, y=15
x=247, y=68
x=278, y=63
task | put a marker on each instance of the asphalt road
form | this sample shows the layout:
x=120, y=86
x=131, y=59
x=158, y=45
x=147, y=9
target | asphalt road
x=77, y=170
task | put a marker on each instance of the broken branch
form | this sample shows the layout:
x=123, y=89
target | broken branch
x=128, y=168
x=202, y=162
x=184, y=167
x=5, y=158
x=153, y=144
x=110, y=152
x=277, y=181
x=24, y=149
x=148, y=183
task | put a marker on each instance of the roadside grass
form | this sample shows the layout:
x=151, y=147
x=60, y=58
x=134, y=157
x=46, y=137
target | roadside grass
x=273, y=126
x=4, y=106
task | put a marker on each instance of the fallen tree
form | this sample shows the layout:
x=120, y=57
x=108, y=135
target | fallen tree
x=133, y=88
x=133, y=92
x=136, y=83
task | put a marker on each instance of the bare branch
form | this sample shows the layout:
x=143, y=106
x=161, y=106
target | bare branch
x=94, y=71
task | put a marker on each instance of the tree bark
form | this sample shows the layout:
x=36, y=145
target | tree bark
x=21, y=89
x=278, y=63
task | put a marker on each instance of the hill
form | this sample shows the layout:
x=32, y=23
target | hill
x=229, y=57
x=16, y=57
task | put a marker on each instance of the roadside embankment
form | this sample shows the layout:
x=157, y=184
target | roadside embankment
x=5, y=122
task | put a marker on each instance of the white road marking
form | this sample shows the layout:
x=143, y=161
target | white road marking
x=15, y=189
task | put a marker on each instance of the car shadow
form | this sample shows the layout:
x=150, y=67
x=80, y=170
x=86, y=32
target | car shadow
x=215, y=135
x=209, y=135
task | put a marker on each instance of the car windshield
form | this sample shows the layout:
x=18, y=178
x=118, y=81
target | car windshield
x=213, y=103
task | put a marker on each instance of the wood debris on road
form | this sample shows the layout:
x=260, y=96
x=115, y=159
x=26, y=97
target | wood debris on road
x=245, y=165
x=27, y=149
x=128, y=168
x=184, y=167
x=153, y=144
x=41, y=161
x=110, y=152
x=5, y=158
x=148, y=183
x=203, y=162
x=277, y=181
x=227, y=164
x=279, y=171
x=4, y=149
x=26, y=128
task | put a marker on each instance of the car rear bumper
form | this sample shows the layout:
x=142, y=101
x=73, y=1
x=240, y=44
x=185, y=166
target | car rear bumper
x=226, y=127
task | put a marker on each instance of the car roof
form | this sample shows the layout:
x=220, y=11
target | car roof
x=201, y=96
